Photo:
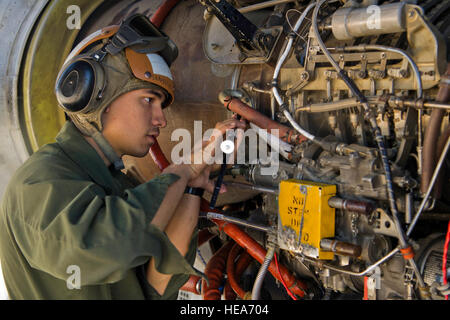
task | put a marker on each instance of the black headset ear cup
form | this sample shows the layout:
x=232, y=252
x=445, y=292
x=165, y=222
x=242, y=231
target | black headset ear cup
x=78, y=83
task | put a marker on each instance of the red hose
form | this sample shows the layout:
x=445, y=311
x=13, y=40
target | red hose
x=162, y=12
x=444, y=258
x=214, y=271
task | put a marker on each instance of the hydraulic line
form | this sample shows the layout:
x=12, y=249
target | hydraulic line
x=256, y=291
x=352, y=273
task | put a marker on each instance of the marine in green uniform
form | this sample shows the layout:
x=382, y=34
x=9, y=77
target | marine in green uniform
x=72, y=224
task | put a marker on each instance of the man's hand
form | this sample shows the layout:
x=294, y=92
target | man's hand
x=203, y=181
x=209, y=147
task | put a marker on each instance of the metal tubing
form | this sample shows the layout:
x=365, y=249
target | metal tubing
x=252, y=187
x=357, y=274
x=263, y=5
x=244, y=223
x=437, y=105
x=262, y=273
x=430, y=187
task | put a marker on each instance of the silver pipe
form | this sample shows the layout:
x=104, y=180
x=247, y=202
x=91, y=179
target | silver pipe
x=437, y=105
x=430, y=187
x=262, y=273
x=330, y=106
x=362, y=273
x=263, y=5
x=219, y=216
x=252, y=187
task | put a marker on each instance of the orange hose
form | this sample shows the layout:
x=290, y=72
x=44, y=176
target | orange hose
x=235, y=273
x=214, y=271
x=228, y=291
x=258, y=253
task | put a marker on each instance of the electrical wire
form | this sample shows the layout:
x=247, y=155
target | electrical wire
x=444, y=258
x=282, y=280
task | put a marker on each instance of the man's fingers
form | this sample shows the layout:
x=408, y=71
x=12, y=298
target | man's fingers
x=212, y=184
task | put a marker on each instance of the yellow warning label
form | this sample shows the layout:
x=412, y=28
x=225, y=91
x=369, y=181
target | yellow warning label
x=303, y=207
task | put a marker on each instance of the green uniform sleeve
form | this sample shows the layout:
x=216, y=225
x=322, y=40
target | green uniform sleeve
x=176, y=282
x=61, y=223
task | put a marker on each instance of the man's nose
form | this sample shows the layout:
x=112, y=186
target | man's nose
x=158, y=118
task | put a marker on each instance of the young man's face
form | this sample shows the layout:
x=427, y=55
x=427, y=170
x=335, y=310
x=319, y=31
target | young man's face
x=131, y=123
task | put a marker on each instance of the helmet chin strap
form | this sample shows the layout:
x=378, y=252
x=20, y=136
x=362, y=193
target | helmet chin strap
x=107, y=150
x=104, y=146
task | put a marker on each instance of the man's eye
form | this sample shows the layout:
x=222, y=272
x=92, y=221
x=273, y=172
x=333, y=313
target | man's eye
x=148, y=100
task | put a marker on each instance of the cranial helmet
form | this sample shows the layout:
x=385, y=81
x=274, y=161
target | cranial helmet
x=108, y=63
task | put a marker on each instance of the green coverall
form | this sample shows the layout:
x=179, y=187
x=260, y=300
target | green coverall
x=66, y=214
